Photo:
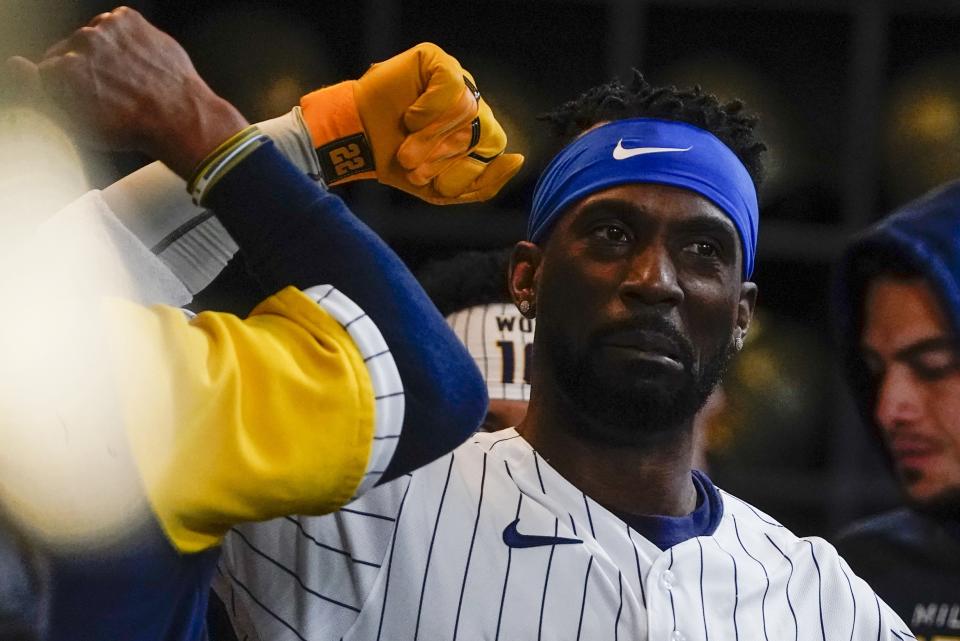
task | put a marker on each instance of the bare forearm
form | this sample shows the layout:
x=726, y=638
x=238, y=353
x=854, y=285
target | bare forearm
x=120, y=83
x=183, y=136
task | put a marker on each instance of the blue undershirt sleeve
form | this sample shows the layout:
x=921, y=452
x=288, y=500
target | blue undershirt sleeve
x=293, y=232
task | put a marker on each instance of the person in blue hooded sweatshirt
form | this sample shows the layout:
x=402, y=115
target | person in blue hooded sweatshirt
x=898, y=298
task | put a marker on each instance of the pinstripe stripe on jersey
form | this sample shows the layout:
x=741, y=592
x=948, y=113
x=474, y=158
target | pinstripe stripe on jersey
x=506, y=575
x=586, y=504
x=853, y=597
x=879, y=620
x=536, y=464
x=375, y=516
x=673, y=608
x=345, y=553
x=616, y=623
x=793, y=614
x=766, y=576
x=703, y=607
x=393, y=547
x=636, y=556
x=433, y=540
x=473, y=538
x=736, y=590
x=813, y=555
x=507, y=438
x=583, y=601
x=546, y=579
x=264, y=607
x=756, y=513
x=483, y=341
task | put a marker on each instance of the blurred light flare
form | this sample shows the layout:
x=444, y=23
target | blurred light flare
x=932, y=116
x=280, y=95
x=922, y=128
x=66, y=477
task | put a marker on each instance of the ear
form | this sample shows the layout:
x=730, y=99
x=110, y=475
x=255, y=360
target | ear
x=525, y=276
x=746, y=305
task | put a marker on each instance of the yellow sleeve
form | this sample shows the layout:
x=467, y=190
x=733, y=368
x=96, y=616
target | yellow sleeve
x=236, y=420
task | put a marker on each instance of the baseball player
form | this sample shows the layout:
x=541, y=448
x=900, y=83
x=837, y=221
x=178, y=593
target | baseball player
x=899, y=317
x=328, y=363
x=585, y=521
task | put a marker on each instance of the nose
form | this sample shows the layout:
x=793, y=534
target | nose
x=652, y=278
x=898, y=399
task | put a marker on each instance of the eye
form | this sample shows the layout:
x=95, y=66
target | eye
x=704, y=248
x=611, y=233
x=934, y=365
x=873, y=365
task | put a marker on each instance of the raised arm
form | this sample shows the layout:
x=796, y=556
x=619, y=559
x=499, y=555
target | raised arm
x=416, y=122
x=287, y=411
x=177, y=117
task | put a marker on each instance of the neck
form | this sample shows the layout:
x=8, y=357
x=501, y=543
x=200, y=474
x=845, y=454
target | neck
x=648, y=475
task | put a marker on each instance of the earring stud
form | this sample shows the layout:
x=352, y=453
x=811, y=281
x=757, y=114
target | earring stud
x=524, y=307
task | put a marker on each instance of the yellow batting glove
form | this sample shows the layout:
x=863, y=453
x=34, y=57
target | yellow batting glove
x=415, y=122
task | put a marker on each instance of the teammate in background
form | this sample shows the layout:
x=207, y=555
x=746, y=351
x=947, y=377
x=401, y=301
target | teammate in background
x=898, y=298
x=585, y=521
x=327, y=369
x=470, y=290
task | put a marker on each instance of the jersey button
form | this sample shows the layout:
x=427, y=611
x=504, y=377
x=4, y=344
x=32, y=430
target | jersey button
x=667, y=579
x=677, y=636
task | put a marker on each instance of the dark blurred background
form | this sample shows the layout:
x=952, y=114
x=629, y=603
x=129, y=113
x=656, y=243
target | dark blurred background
x=861, y=110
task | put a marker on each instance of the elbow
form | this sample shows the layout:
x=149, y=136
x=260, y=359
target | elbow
x=451, y=398
x=445, y=402
x=463, y=398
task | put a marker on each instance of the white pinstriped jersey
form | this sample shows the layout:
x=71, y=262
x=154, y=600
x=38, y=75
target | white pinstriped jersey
x=500, y=340
x=425, y=557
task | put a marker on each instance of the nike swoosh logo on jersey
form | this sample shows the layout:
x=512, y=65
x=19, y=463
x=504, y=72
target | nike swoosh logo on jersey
x=622, y=153
x=515, y=539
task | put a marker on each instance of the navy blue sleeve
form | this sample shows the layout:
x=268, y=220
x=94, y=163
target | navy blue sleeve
x=141, y=590
x=233, y=290
x=293, y=232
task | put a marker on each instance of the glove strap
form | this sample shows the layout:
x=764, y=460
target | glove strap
x=340, y=142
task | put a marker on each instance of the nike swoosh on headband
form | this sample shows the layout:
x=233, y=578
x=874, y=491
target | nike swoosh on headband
x=622, y=153
x=515, y=539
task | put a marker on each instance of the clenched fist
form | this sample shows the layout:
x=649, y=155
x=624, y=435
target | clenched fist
x=121, y=83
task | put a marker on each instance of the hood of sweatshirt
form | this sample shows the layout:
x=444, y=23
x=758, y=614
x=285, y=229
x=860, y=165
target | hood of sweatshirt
x=923, y=235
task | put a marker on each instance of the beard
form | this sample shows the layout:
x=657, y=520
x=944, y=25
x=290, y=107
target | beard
x=944, y=505
x=635, y=401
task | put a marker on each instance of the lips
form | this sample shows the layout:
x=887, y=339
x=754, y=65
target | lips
x=648, y=346
x=912, y=450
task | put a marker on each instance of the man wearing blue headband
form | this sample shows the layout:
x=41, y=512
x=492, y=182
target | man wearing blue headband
x=585, y=520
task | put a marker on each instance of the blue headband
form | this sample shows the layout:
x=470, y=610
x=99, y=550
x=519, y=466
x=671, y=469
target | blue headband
x=648, y=150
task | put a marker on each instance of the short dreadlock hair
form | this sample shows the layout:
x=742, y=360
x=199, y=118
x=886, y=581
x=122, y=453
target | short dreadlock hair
x=467, y=279
x=614, y=101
